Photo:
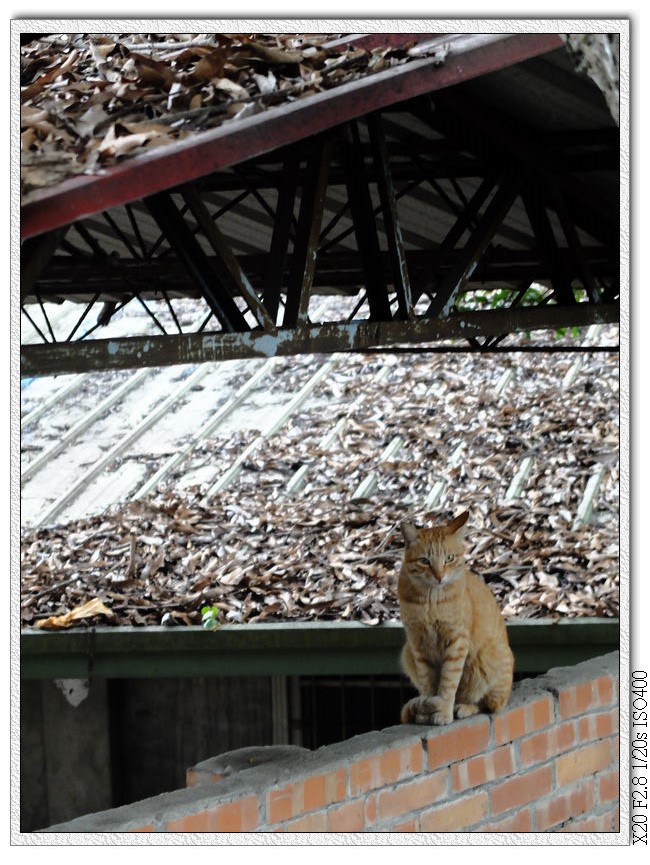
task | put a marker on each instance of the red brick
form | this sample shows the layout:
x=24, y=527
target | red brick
x=597, y=726
x=303, y=796
x=565, y=806
x=521, y=790
x=522, y=821
x=514, y=723
x=321, y=790
x=313, y=793
x=486, y=767
x=316, y=822
x=336, y=784
x=192, y=777
x=587, y=695
x=593, y=823
x=455, y=816
x=239, y=816
x=457, y=742
x=281, y=804
x=370, y=810
x=347, y=818
x=364, y=775
x=379, y=770
x=609, y=786
x=400, y=763
x=582, y=762
x=405, y=826
x=199, y=822
x=542, y=746
x=412, y=795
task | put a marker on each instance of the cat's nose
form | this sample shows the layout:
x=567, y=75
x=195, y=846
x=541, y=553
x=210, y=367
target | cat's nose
x=437, y=574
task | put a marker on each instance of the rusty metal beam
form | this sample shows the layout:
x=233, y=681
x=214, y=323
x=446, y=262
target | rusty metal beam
x=336, y=273
x=51, y=359
x=275, y=268
x=308, y=234
x=427, y=281
x=199, y=155
x=580, y=260
x=494, y=134
x=35, y=255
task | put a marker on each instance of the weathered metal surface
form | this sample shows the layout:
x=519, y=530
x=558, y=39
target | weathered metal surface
x=359, y=209
x=169, y=166
x=129, y=352
x=303, y=648
x=492, y=133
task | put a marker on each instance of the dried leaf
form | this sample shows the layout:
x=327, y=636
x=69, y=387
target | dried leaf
x=91, y=608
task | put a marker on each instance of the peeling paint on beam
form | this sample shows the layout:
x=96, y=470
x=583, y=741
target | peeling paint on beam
x=59, y=358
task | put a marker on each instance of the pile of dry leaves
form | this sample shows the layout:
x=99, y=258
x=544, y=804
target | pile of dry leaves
x=162, y=560
x=88, y=99
x=259, y=555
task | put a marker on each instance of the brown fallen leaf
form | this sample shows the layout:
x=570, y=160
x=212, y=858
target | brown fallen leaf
x=91, y=608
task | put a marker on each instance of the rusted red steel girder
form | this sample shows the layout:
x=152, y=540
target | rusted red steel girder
x=469, y=56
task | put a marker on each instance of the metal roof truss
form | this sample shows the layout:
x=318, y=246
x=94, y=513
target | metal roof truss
x=415, y=215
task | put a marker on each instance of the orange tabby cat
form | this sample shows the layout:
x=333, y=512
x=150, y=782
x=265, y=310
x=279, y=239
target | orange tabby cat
x=456, y=652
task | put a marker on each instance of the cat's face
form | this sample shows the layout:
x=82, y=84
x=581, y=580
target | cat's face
x=435, y=555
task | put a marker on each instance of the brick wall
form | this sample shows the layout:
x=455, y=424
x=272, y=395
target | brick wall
x=549, y=762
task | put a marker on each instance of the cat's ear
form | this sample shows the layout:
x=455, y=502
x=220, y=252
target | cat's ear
x=409, y=532
x=457, y=523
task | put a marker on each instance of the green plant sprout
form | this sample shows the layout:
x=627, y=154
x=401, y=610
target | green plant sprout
x=210, y=617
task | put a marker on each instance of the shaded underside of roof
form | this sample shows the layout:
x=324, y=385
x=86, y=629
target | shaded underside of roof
x=481, y=179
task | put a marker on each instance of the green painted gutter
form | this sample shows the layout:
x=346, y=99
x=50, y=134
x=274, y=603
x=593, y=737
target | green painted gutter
x=290, y=649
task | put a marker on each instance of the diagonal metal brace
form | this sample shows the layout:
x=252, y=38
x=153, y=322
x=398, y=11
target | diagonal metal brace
x=478, y=242
x=188, y=250
x=231, y=272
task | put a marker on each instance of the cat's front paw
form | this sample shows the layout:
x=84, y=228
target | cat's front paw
x=417, y=710
x=424, y=710
x=444, y=716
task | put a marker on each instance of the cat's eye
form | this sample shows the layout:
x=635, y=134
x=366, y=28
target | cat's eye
x=423, y=560
x=450, y=557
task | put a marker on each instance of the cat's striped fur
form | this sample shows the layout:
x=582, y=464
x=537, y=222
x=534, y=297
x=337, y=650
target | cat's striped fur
x=456, y=653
